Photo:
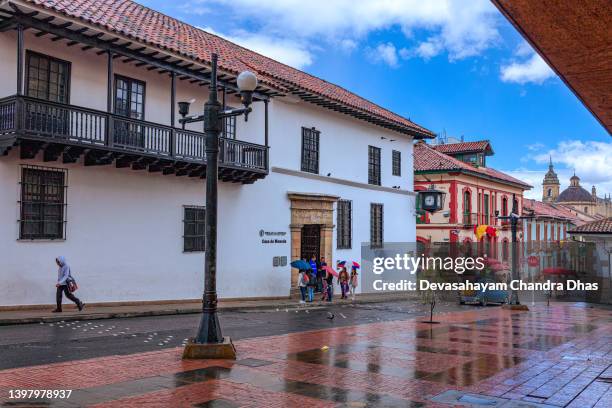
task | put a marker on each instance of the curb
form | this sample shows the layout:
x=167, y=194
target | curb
x=174, y=311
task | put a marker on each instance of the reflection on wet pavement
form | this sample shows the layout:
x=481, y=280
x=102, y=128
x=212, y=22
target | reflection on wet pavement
x=560, y=356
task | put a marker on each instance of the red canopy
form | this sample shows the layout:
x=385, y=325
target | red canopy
x=558, y=271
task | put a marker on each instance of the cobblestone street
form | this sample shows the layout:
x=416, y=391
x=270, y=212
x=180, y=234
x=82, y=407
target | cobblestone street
x=560, y=356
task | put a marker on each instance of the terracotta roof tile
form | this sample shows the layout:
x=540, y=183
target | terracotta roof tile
x=541, y=209
x=464, y=147
x=148, y=26
x=426, y=158
x=601, y=226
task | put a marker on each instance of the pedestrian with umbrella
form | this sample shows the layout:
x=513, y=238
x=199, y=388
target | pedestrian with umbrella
x=305, y=280
x=330, y=273
x=354, y=279
x=343, y=280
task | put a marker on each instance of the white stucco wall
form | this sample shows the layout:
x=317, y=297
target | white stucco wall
x=124, y=227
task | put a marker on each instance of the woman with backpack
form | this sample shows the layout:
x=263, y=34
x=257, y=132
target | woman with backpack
x=65, y=285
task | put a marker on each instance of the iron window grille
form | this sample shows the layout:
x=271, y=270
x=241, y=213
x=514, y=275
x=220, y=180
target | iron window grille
x=310, y=150
x=344, y=221
x=43, y=203
x=376, y=225
x=397, y=163
x=374, y=165
x=194, y=225
x=47, y=78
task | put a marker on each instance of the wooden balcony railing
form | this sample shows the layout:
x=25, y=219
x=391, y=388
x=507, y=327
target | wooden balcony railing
x=44, y=120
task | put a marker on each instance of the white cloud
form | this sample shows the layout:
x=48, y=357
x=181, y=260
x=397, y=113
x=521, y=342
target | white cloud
x=535, y=146
x=386, y=53
x=293, y=53
x=523, y=49
x=462, y=29
x=534, y=70
x=590, y=160
x=429, y=48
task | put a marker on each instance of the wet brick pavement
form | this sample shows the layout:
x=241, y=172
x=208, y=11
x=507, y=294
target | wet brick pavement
x=559, y=356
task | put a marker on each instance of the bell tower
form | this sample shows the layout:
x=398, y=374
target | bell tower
x=550, y=185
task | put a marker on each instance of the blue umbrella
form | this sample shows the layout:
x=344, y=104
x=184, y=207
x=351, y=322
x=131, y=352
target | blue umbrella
x=300, y=264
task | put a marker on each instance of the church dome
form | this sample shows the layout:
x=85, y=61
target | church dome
x=575, y=193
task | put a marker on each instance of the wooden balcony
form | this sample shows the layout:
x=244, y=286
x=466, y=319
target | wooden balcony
x=69, y=132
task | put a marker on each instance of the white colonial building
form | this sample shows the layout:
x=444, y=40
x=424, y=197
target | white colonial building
x=94, y=167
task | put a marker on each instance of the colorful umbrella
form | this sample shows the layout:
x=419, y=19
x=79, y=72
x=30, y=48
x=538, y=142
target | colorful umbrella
x=329, y=269
x=300, y=264
x=356, y=265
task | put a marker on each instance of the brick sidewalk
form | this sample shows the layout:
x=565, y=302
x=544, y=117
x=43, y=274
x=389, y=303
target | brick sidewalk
x=549, y=357
x=37, y=315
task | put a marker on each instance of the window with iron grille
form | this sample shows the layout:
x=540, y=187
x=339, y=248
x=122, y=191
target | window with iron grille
x=194, y=225
x=47, y=77
x=374, y=165
x=43, y=203
x=376, y=225
x=310, y=150
x=397, y=163
x=344, y=223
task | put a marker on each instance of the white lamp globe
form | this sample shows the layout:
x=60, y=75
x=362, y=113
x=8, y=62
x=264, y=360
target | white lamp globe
x=247, y=81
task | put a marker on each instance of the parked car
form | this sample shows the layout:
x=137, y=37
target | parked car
x=483, y=297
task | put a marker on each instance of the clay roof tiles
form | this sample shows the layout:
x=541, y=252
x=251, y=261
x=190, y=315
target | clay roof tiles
x=148, y=26
x=603, y=226
x=429, y=159
x=464, y=147
x=541, y=209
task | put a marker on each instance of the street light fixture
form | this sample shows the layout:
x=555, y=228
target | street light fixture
x=209, y=341
x=514, y=219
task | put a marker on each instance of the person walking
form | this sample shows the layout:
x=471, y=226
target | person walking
x=303, y=284
x=322, y=278
x=354, y=281
x=64, y=278
x=343, y=280
x=329, y=280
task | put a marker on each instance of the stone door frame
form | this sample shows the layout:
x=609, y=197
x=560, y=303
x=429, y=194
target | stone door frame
x=309, y=208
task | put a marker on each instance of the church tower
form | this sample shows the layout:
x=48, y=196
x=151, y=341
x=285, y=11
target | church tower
x=550, y=185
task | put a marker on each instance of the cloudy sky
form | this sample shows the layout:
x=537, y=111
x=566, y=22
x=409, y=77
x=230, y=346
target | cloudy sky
x=457, y=68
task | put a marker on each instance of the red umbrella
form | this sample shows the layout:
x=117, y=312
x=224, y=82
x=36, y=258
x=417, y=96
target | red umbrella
x=329, y=269
x=356, y=265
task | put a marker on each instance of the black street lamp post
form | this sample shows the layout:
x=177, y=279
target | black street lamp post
x=514, y=219
x=209, y=341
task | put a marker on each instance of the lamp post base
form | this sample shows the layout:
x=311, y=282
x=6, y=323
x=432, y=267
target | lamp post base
x=199, y=351
x=516, y=307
